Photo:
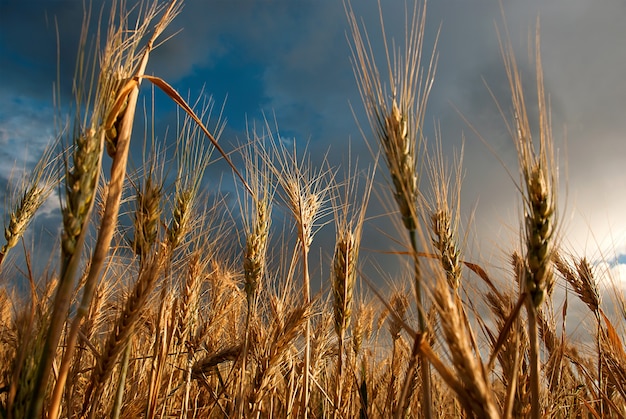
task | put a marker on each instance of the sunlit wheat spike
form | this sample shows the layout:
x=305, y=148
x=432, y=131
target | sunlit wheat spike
x=396, y=110
x=478, y=397
x=147, y=217
x=363, y=325
x=193, y=156
x=305, y=193
x=588, y=290
x=539, y=222
x=538, y=186
x=582, y=280
x=349, y=208
x=80, y=180
x=188, y=301
x=256, y=248
x=399, y=303
x=30, y=195
x=445, y=212
x=343, y=279
x=538, y=177
x=257, y=210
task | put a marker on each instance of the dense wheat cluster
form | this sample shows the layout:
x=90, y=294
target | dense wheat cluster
x=165, y=303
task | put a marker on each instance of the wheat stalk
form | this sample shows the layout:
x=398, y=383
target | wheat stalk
x=538, y=186
x=349, y=220
x=123, y=328
x=304, y=193
x=117, y=88
x=257, y=211
x=396, y=118
x=80, y=188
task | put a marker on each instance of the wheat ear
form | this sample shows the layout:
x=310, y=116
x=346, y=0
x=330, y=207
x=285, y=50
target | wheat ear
x=147, y=214
x=193, y=158
x=538, y=186
x=257, y=211
x=446, y=190
x=30, y=196
x=305, y=192
x=349, y=220
x=469, y=367
x=396, y=119
x=583, y=281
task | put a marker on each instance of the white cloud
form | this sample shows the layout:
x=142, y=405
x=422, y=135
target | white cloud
x=26, y=128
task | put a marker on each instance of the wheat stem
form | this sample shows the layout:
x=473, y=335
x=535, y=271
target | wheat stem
x=538, y=186
x=396, y=119
x=130, y=90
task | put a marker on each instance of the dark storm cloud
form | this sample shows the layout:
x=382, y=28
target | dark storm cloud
x=292, y=59
x=28, y=43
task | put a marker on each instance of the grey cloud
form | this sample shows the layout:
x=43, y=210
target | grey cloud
x=306, y=78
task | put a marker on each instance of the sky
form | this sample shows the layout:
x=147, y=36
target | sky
x=290, y=60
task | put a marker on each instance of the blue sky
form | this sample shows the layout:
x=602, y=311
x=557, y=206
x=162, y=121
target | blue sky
x=291, y=58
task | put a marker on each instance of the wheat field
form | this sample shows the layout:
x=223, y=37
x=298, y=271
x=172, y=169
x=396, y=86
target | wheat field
x=161, y=300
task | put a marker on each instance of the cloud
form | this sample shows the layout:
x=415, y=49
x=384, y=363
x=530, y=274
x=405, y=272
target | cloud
x=292, y=59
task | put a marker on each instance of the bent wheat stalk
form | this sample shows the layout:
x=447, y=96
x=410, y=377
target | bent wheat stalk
x=118, y=171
